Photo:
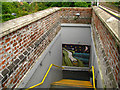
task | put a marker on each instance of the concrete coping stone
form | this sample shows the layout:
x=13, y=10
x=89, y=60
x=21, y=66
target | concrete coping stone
x=109, y=21
x=15, y=24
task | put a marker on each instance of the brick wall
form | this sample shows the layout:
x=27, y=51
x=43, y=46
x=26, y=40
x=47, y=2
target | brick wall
x=107, y=48
x=20, y=48
x=68, y=15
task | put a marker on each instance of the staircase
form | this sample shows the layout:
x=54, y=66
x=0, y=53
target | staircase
x=74, y=77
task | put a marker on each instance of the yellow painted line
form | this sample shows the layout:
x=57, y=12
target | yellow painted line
x=44, y=76
x=115, y=14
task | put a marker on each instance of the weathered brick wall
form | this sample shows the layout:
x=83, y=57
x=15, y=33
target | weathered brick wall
x=107, y=46
x=19, y=48
x=68, y=15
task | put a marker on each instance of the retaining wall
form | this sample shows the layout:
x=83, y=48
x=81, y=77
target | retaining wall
x=22, y=41
x=107, y=42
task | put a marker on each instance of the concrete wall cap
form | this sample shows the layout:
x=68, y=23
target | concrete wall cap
x=15, y=24
x=109, y=21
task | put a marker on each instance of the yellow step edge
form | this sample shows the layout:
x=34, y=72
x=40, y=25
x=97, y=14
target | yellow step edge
x=72, y=80
x=74, y=83
x=71, y=84
x=76, y=86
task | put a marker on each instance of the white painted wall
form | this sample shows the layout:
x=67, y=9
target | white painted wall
x=52, y=55
x=76, y=34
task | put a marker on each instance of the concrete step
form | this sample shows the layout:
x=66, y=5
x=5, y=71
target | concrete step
x=69, y=83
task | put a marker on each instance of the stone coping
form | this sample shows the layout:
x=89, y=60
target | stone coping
x=15, y=24
x=109, y=21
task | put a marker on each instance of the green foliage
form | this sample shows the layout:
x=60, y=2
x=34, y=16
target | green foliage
x=81, y=4
x=7, y=17
x=25, y=8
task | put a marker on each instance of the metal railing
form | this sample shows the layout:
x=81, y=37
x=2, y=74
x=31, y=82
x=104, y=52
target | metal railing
x=44, y=76
x=93, y=76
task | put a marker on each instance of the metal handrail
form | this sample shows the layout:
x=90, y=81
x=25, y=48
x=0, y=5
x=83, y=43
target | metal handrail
x=44, y=76
x=93, y=77
x=62, y=68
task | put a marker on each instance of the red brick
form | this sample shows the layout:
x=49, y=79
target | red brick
x=15, y=81
x=11, y=81
x=8, y=44
x=11, y=42
x=18, y=38
x=11, y=55
x=1, y=57
x=5, y=55
x=3, y=66
x=2, y=52
x=0, y=64
x=2, y=43
x=1, y=48
x=25, y=44
x=116, y=78
x=21, y=47
x=4, y=46
x=3, y=61
x=7, y=64
x=7, y=40
x=13, y=36
x=7, y=49
x=17, y=46
x=116, y=72
x=8, y=58
x=17, y=74
x=15, y=51
x=14, y=44
x=117, y=67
